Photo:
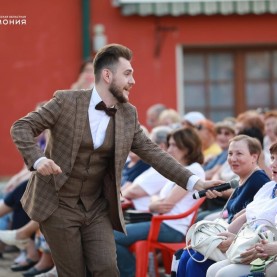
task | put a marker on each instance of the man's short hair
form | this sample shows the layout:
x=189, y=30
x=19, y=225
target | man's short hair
x=108, y=56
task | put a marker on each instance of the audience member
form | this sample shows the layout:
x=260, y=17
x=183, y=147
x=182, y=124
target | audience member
x=224, y=132
x=86, y=76
x=134, y=166
x=13, y=192
x=207, y=133
x=249, y=119
x=263, y=207
x=150, y=182
x=170, y=117
x=191, y=118
x=270, y=123
x=255, y=132
x=20, y=238
x=243, y=155
x=132, y=169
x=152, y=115
x=185, y=146
x=33, y=262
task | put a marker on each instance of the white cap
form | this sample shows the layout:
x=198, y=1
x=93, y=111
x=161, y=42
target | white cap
x=193, y=117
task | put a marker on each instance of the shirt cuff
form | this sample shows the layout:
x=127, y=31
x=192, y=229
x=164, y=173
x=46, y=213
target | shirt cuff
x=191, y=182
x=37, y=162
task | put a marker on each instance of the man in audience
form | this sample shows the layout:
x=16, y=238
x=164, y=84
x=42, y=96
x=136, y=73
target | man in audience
x=152, y=115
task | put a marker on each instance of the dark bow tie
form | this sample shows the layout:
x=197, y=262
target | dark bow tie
x=101, y=106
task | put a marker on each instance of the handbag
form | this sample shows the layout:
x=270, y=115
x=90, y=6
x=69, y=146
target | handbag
x=247, y=237
x=203, y=238
x=135, y=216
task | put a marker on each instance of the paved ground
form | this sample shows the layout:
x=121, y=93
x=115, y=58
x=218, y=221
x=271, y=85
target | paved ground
x=5, y=264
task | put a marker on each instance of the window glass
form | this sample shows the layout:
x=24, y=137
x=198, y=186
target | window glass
x=257, y=65
x=194, y=95
x=257, y=94
x=221, y=95
x=275, y=95
x=275, y=64
x=212, y=83
x=220, y=66
x=194, y=67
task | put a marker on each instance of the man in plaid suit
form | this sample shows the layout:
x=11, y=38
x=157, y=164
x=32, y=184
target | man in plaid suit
x=74, y=192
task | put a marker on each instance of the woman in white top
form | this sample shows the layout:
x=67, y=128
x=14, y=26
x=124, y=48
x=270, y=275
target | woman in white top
x=263, y=206
x=172, y=198
x=185, y=146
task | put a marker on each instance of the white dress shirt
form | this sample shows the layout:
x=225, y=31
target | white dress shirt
x=98, y=120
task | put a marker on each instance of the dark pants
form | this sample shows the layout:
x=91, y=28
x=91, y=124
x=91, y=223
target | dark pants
x=190, y=268
x=12, y=199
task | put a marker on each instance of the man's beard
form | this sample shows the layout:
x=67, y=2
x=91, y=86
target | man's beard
x=117, y=93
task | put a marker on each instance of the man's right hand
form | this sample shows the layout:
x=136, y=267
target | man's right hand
x=47, y=167
x=204, y=185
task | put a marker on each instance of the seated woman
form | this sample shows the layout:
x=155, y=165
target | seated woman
x=185, y=146
x=264, y=206
x=134, y=166
x=243, y=156
x=224, y=132
x=132, y=169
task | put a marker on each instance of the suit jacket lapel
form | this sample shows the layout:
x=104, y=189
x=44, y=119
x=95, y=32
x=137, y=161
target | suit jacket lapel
x=82, y=105
x=119, y=138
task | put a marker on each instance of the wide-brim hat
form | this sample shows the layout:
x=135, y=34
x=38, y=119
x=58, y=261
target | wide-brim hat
x=226, y=125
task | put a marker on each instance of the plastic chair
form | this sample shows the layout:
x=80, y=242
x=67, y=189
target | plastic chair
x=126, y=204
x=143, y=248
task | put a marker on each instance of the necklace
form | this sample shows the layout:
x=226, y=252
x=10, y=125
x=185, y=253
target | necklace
x=242, y=181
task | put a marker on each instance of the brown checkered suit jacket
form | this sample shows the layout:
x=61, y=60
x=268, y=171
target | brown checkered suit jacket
x=65, y=116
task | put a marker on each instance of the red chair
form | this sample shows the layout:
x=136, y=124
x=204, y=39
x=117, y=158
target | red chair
x=126, y=204
x=143, y=248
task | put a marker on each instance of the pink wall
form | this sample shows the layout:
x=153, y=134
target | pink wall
x=36, y=59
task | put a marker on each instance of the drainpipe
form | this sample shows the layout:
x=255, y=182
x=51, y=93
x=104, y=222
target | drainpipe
x=86, y=29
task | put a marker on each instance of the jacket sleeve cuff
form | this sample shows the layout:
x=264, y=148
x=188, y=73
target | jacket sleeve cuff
x=191, y=182
x=37, y=162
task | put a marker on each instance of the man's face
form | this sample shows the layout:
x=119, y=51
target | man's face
x=122, y=81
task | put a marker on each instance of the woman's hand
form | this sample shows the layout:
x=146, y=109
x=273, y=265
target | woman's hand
x=265, y=248
x=225, y=244
x=161, y=207
x=261, y=250
x=249, y=255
